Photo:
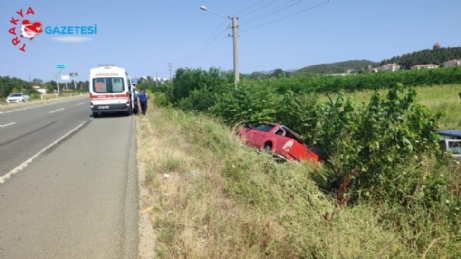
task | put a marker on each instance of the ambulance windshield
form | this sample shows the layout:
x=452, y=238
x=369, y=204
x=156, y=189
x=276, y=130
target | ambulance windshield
x=108, y=85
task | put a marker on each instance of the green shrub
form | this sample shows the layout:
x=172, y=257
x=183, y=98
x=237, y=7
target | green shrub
x=35, y=96
x=374, y=146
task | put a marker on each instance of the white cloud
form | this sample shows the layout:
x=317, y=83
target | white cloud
x=71, y=39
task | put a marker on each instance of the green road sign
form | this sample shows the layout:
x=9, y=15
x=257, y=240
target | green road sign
x=60, y=66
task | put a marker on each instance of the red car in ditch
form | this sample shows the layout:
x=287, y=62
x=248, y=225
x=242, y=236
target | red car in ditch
x=279, y=141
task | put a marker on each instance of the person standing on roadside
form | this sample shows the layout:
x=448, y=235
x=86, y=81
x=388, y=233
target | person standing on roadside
x=142, y=99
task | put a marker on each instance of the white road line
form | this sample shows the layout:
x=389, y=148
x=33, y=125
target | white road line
x=8, y=124
x=80, y=103
x=57, y=110
x=28, y=161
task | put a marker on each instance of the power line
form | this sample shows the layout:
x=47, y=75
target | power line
x=202, y=48
x=198, y=50
x=246, y=9
x=198, y=58
x=199, y=53
x=270, y=13
x=304, y=10
x=262, y=7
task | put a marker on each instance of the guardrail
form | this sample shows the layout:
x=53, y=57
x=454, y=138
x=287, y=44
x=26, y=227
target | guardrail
x=44, y=97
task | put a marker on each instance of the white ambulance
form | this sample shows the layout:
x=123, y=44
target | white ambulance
x=110, y=90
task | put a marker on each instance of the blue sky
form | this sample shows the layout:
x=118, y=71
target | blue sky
x=146, y=36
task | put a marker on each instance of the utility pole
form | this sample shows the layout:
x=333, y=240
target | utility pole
x=169, y=65
x=156, y=82
x=236, y=52
x=235, y=40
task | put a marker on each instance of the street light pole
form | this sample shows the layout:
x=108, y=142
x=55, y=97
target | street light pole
x=235, y=43
x=57, y=84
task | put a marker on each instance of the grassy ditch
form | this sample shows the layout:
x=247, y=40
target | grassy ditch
x=213, y=198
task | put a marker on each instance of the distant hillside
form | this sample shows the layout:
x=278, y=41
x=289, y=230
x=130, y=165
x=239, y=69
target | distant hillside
x=406, y=61
x=427, y=56
x=334, y=68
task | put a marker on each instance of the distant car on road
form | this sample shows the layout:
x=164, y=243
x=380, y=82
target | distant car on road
x=450, y=140
x=18, y=98
x=278, y=140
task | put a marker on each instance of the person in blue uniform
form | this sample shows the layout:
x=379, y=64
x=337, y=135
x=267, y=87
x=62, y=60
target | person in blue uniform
x=142, y=98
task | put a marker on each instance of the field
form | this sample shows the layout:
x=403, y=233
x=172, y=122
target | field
x=210, y=197
x=443, y=98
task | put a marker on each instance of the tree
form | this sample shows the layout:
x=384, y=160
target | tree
x=37, y=81
x=278, y=73
x=7, y=84
x=256, y=75
x=49, y=88
x=84, y=86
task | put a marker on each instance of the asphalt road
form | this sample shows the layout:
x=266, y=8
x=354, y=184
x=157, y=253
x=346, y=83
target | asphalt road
x=68, y=183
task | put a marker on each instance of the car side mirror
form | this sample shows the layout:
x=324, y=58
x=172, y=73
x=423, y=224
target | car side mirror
x=250, y=126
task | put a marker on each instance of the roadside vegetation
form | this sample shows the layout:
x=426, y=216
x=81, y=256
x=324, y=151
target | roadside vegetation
x=385, y=191
x=213, y=198
x=10, y=85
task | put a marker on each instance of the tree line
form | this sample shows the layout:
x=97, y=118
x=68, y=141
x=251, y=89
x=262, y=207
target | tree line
x=9, y=85
x=334, y=68
x=406, y=61
x=200, y=90
x=423, y=57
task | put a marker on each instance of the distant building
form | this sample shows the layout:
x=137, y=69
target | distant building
x=338, y=74
x=436, y=46
x=452, y=63
x=428, y=66
x=40, y=88
x=392, y=67
x=374, y=69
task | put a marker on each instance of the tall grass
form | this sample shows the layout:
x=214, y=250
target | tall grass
x=214, y=198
